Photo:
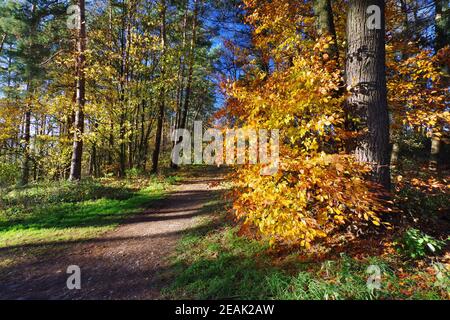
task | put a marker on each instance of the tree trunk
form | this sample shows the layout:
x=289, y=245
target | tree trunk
x=366, y=78
x=93, y=160
x=442, y=26
x=394, y=154
x=162, y=97
x=325, y=24
x=122, y=146
x=26, y=149
x=181, y=81
x=2, y=42
x=187, y=97
x=181, y=72
x=122, y=87
x=191, y=67
x=434, y=153
x=77, y=155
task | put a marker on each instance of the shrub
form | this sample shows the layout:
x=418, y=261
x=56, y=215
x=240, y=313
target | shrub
x=306, y=200
x=133, y=172
x=415, y=244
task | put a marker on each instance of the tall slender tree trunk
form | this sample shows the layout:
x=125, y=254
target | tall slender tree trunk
x=77, y=154
x=181, y=81
x=442, y=26
x=181, y=72
x=366, y=78
x=24, y=179
x=191, y=66
x=162, y=96
x=2, y=42
x=434, y=152
x=123, y=79
x=93, y=160
x=180, y=122
x=397, y=134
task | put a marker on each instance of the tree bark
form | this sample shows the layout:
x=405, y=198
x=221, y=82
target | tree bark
x=77, y=154
x=366, y=78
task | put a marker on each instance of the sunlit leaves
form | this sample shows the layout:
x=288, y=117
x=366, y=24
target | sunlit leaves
x=318, y=187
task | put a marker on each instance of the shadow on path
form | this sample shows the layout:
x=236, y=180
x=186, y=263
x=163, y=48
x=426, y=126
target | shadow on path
x=127, y=263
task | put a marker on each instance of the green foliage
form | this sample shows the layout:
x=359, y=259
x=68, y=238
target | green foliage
x=133, y=172
x=9, y=173
x=23, y=200
x=416, y=244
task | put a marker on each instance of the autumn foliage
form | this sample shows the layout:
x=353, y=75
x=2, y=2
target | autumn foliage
x=293, y=84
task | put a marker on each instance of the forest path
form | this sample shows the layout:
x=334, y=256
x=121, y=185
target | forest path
x=130, y=262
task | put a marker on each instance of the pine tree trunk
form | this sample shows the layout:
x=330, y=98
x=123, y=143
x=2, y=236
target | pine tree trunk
x=122, y=87
x=191, y=67
x=162, y=97
x=187, y=97
x=77, y=154
x=181, y=81
x=366, y=78
x=25, y=177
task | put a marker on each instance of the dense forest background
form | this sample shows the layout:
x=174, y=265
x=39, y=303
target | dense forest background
x=109, y=93
x=105, y=86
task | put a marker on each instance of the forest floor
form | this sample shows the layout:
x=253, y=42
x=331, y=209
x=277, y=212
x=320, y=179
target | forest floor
x=129, y=262
x=173, y=238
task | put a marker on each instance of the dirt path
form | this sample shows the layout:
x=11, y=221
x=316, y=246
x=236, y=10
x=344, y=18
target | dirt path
x=128, y=263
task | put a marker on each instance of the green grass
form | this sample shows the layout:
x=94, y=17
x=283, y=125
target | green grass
x=213, y=262
x=48, y=213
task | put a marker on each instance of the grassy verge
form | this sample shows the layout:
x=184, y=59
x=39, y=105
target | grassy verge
x=213, y=262
x=42, y=217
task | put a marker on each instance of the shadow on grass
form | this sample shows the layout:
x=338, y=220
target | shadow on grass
x=96, y=213
x=213, y=262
